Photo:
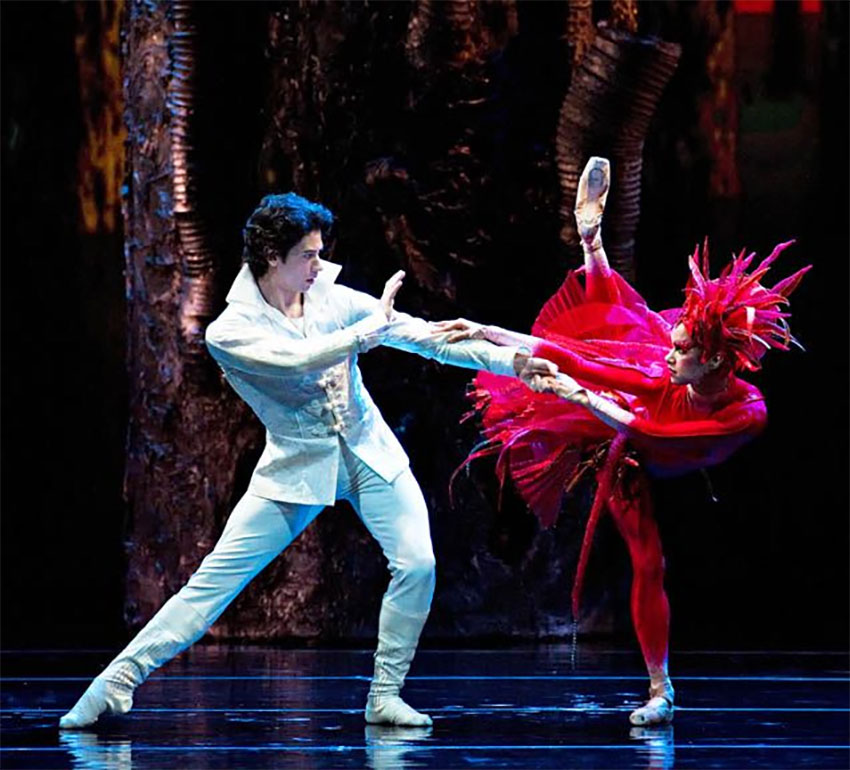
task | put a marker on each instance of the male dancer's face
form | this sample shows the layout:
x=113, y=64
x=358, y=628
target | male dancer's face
x=298, y=271
x=683, y=360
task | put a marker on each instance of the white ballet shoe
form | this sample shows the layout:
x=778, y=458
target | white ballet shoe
x=398, y=635
x=591, y=196
x=171, y=631
x=392, y=710
x=102, y=697
x=656, y=711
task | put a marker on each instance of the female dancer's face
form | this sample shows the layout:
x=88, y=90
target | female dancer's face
x=683, y=359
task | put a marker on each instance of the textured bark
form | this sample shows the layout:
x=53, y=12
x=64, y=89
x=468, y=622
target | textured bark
x=718, y=108
x=410, y=123
x=333, y=68
x=496, y=572
x=607, y=111
x=580, y=29
x=426, y=189
x=197, y=260
x=448, y=51
x=456, y=32
x=311, y=134
x=187, y=432
x=100, y=164
x=624, y=16
x=457, y=205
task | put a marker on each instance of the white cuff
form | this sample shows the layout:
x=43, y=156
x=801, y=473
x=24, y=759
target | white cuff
x=370, y=331
x=502, y=360
x=612, y=414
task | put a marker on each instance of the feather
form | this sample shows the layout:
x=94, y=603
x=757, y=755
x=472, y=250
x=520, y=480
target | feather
x=736, y=313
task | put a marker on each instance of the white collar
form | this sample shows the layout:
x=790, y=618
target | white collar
x=245, y=290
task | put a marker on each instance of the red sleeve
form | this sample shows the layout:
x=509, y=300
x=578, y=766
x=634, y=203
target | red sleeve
x=746, y=418
x=597, y=374
x=698, y=443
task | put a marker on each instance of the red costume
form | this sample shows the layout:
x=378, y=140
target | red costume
x=604, y=336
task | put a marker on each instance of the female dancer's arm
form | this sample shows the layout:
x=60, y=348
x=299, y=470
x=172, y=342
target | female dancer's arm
x=750, y=417
x=596, y=373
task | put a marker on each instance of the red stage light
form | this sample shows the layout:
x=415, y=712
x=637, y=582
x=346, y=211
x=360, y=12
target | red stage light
x=766, y=6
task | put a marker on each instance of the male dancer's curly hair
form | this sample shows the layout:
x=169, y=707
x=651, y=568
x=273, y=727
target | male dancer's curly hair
x=277, y=224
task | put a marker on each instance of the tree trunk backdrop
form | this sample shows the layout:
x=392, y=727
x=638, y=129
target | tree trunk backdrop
x=401, y=118
x=446, y=136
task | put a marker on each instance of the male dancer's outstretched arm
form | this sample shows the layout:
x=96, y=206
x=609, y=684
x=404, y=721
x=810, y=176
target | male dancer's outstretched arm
x=238, y=344
x=427, y=339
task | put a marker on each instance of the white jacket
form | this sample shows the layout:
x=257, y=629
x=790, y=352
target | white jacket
x=306, y=387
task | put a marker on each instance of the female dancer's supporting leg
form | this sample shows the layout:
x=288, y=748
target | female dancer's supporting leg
x=650, y=608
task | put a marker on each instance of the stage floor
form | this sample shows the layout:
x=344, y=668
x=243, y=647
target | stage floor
x=257, y=707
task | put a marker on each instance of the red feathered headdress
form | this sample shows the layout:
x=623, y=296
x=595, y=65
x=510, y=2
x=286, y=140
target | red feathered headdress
x=735, y=315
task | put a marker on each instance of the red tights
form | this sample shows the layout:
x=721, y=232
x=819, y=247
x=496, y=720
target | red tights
x=650, y=609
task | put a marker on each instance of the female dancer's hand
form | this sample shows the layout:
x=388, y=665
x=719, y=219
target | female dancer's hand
x=460, y=329
x=562, y=385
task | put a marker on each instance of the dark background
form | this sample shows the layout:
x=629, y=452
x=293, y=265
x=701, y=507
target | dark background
x=766, y=566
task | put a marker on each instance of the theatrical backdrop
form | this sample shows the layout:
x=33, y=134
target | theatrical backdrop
x=448, y=138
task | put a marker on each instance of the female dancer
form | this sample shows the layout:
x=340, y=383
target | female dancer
x=639, y=392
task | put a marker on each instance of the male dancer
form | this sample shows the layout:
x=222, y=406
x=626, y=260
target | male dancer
x=288, y=343
x=636, y=405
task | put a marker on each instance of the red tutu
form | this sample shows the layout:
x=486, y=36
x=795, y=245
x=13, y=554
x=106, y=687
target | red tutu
x=544, y=442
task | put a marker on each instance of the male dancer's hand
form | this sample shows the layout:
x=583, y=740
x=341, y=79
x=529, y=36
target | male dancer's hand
x=460, y=329
x=390, y=290
x=375, y=338
x=528, y=368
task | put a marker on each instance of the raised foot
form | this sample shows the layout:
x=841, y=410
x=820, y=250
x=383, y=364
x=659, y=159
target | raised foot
x=656, y=711
x=101, y=697
x=591, y=196
x=392, y=710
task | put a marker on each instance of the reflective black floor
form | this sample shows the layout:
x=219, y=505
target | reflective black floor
x=238, y=707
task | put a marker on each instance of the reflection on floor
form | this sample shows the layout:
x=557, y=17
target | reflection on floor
x=251, y=707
